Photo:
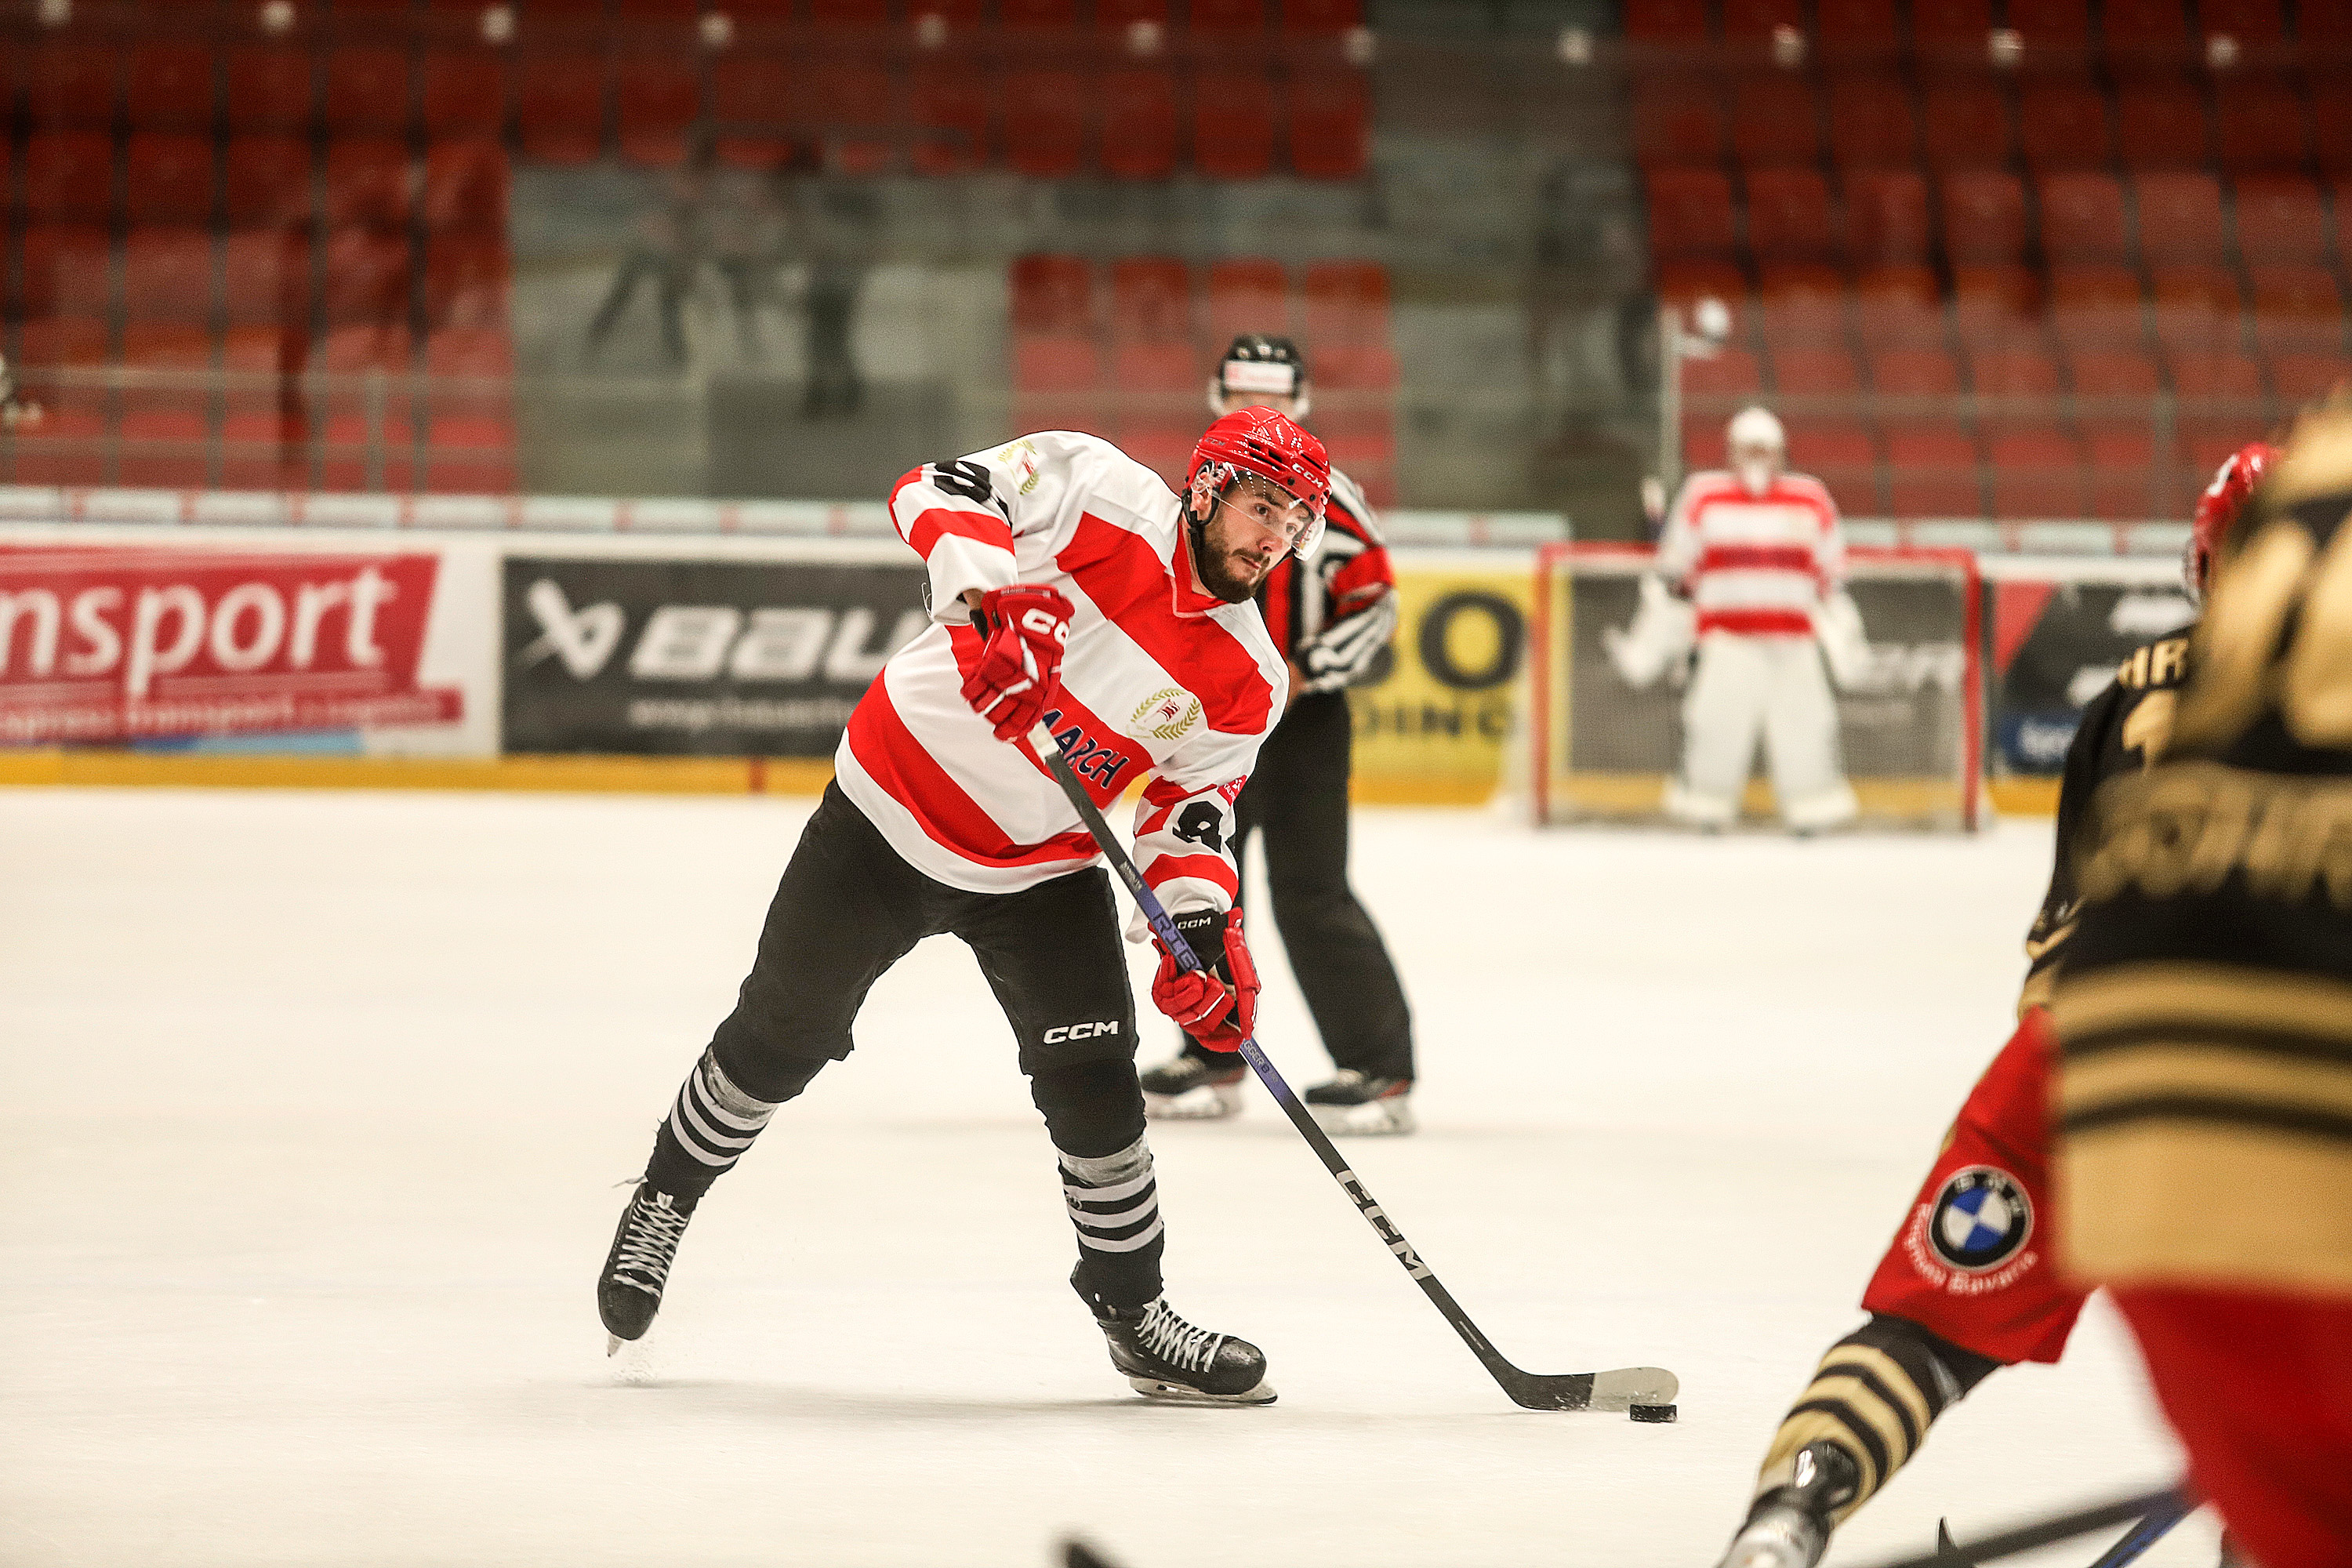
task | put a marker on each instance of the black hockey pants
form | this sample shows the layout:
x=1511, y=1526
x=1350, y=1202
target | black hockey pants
x=1299, y=797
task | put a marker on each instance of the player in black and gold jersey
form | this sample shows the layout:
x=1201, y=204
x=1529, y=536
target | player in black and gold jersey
x=2204, y=1015
x=1970, y=1285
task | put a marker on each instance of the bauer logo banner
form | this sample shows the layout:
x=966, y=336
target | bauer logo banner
x=708, y=657
x=112, y=644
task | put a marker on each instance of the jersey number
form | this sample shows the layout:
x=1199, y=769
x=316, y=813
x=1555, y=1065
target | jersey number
x=1200, y=823
x=965, y=478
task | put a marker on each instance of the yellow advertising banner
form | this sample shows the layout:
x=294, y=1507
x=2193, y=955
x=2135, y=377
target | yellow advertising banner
x=1433, y=721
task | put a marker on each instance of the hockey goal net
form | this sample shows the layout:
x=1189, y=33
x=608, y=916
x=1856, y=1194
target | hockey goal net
x=1606, y=699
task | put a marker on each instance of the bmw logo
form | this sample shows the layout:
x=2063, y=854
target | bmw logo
x=1980, y=1219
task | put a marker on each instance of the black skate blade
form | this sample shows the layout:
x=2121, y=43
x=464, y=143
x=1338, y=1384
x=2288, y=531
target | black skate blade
x=1076, y=1553
x=1160, y=1391
x=1948, y=1548
x=1617, y=1391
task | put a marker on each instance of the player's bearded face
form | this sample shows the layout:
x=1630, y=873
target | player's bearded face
x=1250, y=529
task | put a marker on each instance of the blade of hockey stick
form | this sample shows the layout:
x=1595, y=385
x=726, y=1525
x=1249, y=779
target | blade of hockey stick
x=2064, y=1527
x=1622, y=1388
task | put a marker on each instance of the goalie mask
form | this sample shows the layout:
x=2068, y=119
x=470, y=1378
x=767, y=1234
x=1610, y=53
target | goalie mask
x=1270, y=446
x=1268, y=372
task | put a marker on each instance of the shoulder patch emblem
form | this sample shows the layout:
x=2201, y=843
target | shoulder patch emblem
x=1023, y=456
x=1980, y=1219
x=1167, y=714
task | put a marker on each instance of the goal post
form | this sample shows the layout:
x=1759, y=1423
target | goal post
x=1605, y=697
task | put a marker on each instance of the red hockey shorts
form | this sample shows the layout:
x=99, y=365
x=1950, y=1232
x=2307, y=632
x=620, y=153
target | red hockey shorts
x=1973, y=1261
x=2260, y=1389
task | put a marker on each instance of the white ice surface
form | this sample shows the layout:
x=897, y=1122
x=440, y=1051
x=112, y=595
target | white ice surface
x=311, y=1107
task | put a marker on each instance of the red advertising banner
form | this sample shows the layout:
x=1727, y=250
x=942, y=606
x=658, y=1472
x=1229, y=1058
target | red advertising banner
x=100, y=644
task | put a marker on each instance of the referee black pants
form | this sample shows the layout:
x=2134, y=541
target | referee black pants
x=1298, y=800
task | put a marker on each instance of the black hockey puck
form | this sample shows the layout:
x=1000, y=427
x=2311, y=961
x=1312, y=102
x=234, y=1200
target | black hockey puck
x=1659, y=1414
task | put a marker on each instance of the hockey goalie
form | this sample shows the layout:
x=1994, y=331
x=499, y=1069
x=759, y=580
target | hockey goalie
x=1755, y=553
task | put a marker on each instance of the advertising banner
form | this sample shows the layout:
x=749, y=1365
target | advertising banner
x=111, y=644
x=719, y=657
x=1433, y=721
x=2056, y=642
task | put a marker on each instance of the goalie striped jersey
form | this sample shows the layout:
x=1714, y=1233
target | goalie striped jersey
x=1332, y=613
x=2204, y=1011
x=1160, y=680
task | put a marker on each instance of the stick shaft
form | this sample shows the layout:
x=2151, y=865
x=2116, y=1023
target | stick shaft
x=2064, y=1527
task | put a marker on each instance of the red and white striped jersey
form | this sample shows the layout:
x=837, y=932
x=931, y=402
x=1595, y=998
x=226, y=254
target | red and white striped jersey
x=1159, y=678
x=1756, y=564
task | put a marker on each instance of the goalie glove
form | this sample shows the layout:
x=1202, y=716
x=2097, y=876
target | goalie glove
x=1663, y=629
x=1217, y=1006
x=1846, y=646
x=1019, y=671
x=1342, y=653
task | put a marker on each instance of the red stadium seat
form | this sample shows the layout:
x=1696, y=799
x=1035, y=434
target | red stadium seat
x=1052, y=295
x=1226, y=16
x=464, y=92
x=168, y=178
x=1898, y=307
x=1683, y=284
x=1886, y=216
x=2260, y=126
x=2137, y=34
x=2322, y=23
x=358, y=349
x=1915, y=372
x=1055, y=363
x=265, y=277
x=2232, y=380
x=1773, y=122
x=163, y=448
x=1233, y=127
x=1965, y=124
x=2300, y=378
x=2082, y=218
x=656, y=100
x=1666, y=21
x=2248, y=21
x=1247, y=295
x=560, y=107
x=1870, y=122
x=64, y=270
x=951, y=119
x=1145, y=368
x=1320, y=17
x=464, y=187
x=266, y=180
x=1932, y=469
x=1804, y=304
x=1837, y=451
x=1862, y=29
x=1984, y=217
x=2038, y=474
x=1118, y=15
x=1952, y=28
x=2095, y=307
x=167, y=274
x=753, y=98
x=69, y=83
x=165, y=345
x=368, y=181
x=2063, y=125
x=850, y=16
x=1139, y=138
x=1690, y=213
x=1755, y=21
x=2050, y=25
x=2016, y=389
x=1038, y=15
x=466, y=281
x=2296, y=310
x=858, y=108
x=2196, y=308
x=170, y=86
x=54, y=342
x=257, y=351
x=1346, y=305
x=2159, y=125
x=1150, y=298
x=2179, y=216
x=2331, y=123
x=1330, y=127
x=1997, y=307
x=1675, y=124
x=1814, y=372
x=266, y=87
x=2279, y=218
x=474, y=353
x=1789, y=216
x=367, y=275
x=1044, y=131
x=1727, y=372
x=366, y=89
x=68, y=174
x=2107, y=382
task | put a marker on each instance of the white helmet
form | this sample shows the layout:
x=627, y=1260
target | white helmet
x=1759, y=448
x=1756, y=426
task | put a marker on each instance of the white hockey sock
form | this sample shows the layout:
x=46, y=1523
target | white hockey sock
x=714, y=1121
x=1113, y=1200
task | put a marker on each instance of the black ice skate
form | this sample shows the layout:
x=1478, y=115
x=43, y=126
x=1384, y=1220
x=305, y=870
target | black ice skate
x=1168, y=1358
x=629, y=1291
x=1363, y=1104
x=1190, y=1089
x=1789, y=1525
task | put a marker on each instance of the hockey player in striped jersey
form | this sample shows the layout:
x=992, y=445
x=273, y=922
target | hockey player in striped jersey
x=1330, y=615
x=1970, y=1283
x=1068, y=586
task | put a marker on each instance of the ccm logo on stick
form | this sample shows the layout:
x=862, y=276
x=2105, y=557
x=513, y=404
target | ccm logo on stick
x=1062, y=1032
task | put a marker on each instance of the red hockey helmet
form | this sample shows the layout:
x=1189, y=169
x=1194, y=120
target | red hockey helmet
x=2233, y=484
x=1260, y=441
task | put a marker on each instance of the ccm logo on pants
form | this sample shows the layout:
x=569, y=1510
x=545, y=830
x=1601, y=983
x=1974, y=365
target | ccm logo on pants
x=1057, y=1035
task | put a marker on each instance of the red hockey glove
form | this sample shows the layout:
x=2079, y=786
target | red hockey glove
x=1218, y=1007
x=1020, y=669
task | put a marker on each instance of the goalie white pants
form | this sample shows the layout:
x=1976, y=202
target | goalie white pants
x=1776, y=684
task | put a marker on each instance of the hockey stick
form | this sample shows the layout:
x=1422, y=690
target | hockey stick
x=1645, y=1392
x=2145, y=1509
x=2153, y=1527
